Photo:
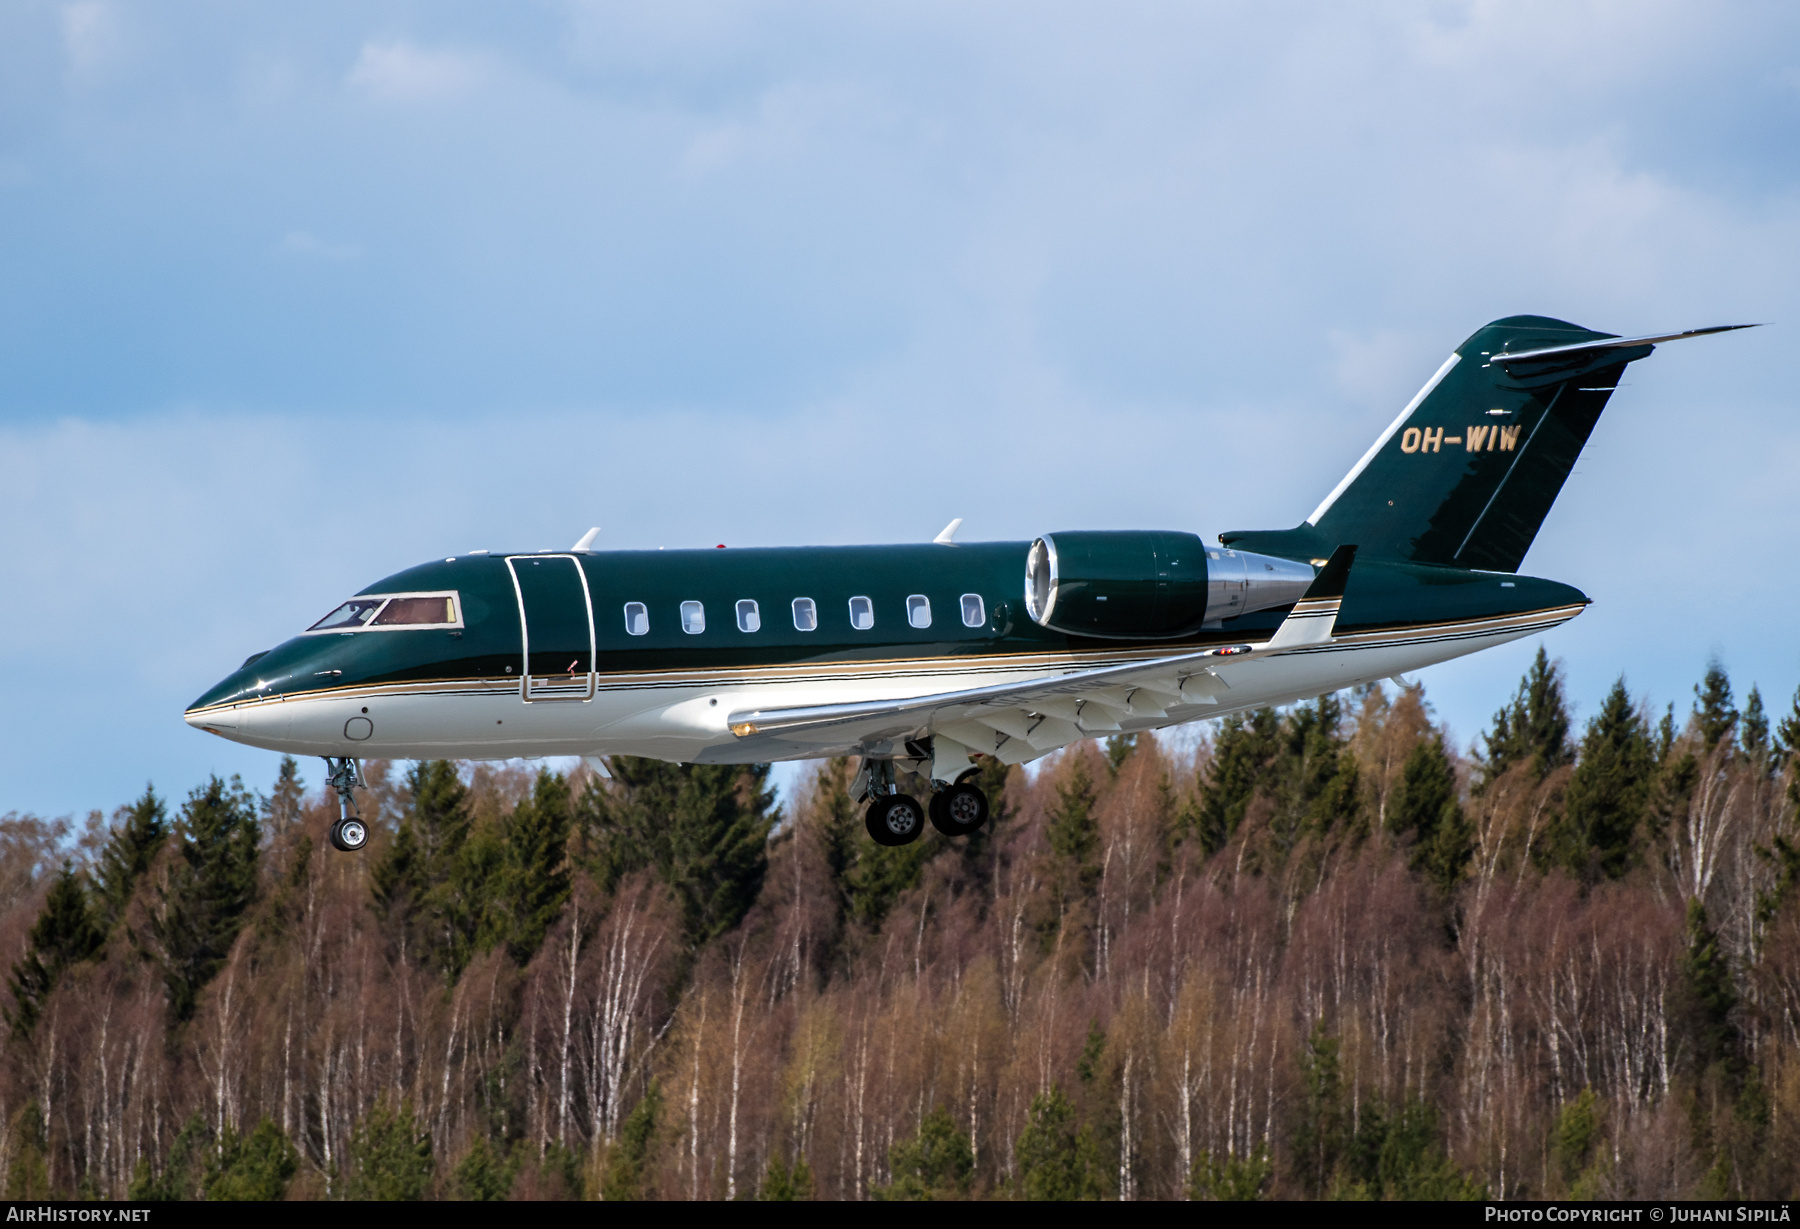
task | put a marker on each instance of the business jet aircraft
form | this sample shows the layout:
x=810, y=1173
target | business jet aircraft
x=924, y=656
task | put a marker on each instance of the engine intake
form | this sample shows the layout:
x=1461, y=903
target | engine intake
x=1150, y=584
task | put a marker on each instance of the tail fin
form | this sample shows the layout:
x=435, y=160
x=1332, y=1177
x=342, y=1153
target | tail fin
x=1468, y=471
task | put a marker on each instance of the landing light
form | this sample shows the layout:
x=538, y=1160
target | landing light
x=743, y=729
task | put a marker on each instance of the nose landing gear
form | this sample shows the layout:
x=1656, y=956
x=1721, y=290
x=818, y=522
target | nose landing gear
x=349, y=833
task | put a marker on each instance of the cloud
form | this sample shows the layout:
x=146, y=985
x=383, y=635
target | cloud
x=93, y=37
x=304, y=243
x=409, y=73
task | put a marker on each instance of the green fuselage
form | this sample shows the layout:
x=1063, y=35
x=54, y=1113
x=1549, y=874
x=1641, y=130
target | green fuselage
x=489, y=646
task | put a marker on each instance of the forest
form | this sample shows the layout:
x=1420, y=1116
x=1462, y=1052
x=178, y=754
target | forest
x=1310, y=953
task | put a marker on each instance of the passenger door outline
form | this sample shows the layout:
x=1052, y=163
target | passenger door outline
x=550, y=684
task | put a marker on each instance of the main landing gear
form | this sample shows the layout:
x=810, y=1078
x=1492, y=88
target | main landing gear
x=349, y=833
x=894, y=818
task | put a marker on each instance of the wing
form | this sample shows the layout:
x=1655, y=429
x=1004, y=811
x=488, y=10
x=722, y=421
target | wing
x=1021, y=721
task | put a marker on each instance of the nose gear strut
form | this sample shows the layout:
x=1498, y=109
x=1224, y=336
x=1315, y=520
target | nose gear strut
x=349, y=833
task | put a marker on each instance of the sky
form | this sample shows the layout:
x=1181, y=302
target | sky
x=293, y=297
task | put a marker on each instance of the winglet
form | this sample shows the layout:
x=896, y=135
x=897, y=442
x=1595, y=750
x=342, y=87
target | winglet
x=948, y=537
x=587, y=539
x=1315, y=615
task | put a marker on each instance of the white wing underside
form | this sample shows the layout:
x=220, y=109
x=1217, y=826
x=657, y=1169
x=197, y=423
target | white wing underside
x=1017, y=722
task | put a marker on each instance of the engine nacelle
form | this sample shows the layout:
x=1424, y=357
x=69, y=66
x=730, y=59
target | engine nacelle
x=1150, y=584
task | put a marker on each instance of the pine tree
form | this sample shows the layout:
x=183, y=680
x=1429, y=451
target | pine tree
x=1314, y=776
x=66, y=933
x=1056, y=1161
x=624, y=1178
x=937, y=1163
x=881, y=874
x=1609, y=793
x=283, y=806
x=1576, y=1137
x=719, y=846
x=536, y=879
x=1705, y=1000
x=390, y=1155
x=1245, y=745
x=831, y=824
x=213, y=882
x=138, y=833
x=1714, y=714
x=183, y=1177
x=703, y=827
x=484, y=1176
x=1753, y=729
x=1425, y=808
x=257, y=1167
x=1235, y=1179
x=1532, y=729
x=789, y=1184
x=1074, y=830
x=1787, y=733
x=435, y=879
x=1118, y=749
x=1319, y=1134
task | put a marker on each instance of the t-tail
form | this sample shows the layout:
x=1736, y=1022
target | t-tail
x=1468, y=471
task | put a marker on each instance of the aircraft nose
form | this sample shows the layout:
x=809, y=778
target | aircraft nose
x=220, y=723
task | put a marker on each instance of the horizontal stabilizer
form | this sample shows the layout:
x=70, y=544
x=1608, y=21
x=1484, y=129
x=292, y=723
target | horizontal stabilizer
x=1611, y=343
x=1467, y=472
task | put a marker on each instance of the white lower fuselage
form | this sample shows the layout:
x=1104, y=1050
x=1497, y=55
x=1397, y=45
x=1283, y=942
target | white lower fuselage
x=682, y=715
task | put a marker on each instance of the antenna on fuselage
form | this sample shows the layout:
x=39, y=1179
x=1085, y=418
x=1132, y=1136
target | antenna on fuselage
x=948, y=537
x=587, y=539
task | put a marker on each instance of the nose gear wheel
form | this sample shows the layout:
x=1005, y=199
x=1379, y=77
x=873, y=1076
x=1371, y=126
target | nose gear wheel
x=349, y=833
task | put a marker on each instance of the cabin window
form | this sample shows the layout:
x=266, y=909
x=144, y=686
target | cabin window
x=637, y=619
x=862, y=613
x=806, y=615
x=748, y=616
x=974, y=610
x=918, y=610
x=353, y=614
x=693, y=618
x=416, y=611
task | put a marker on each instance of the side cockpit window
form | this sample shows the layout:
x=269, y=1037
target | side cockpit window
x=389, y=612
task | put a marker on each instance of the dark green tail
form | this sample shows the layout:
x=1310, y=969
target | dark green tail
x=1469, y=470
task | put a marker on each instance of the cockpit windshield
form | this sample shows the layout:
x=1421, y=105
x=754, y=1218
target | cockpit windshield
x=351, y=615
x=414, y=611
x=391, y=612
